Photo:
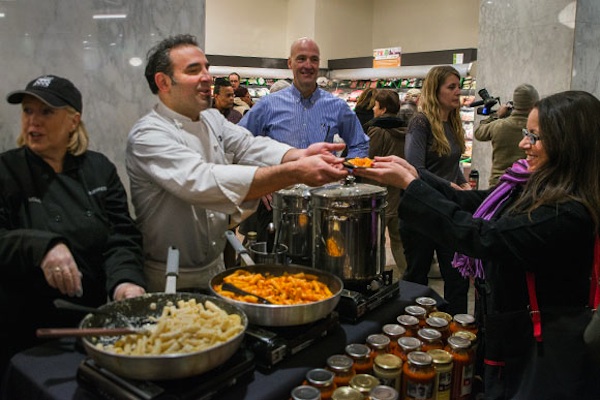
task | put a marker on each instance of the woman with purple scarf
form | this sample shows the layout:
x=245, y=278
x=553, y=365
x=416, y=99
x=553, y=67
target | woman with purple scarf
x=528, y=242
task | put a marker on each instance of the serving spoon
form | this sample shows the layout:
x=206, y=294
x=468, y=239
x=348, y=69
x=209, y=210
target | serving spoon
x=80, y=332
x=232, y=288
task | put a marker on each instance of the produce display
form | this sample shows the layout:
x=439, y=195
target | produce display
x=287, y=289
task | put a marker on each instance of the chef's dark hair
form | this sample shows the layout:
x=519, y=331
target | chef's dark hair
x=158, y=59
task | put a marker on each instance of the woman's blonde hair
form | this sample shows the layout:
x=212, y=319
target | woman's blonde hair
x=430, y=106
x=78, y=140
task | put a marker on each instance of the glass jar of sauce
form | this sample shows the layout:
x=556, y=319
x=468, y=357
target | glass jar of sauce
x=409, y=323
x=418, y=312
x=418, y=377
x=361, y=355
x=347, y=393
x=407, y=344
x=463, y=322
x=364, y=383
x=321, y=379
x=378, y=343
x=306, y=392
x=463, y=367
x=394, y=332
x=440, y=325
x=428, y=303
x=383, y=392
x=442, y=363
x=441, y=314
x=388, y=368
x=430, y=338
x=341, y=366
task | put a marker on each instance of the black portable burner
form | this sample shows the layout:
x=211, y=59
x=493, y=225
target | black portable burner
x=271, y=345
x=360, y=296
x=103, y=383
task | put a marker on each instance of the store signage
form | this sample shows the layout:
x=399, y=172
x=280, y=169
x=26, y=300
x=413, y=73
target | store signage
x=387, y=58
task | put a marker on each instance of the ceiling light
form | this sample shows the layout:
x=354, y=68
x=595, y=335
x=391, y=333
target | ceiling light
x=109, y=16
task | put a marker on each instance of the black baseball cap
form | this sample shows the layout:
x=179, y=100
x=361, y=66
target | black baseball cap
x=53, y=90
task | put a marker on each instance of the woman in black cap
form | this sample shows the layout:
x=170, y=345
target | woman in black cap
x=65, y=228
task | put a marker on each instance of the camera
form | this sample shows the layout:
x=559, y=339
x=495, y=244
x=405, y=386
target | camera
x=487, y=101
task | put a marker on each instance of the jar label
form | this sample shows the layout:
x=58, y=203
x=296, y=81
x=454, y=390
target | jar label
x=416, y=390
x=467, y=380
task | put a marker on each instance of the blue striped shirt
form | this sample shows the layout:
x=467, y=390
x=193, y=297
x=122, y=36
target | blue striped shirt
x=289, y=118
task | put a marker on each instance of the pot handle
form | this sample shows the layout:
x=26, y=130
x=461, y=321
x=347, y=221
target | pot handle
x=172, y=270
x=238, y=247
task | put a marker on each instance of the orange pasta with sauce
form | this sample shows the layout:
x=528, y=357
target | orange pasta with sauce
x=361, y=162
x=287, y=289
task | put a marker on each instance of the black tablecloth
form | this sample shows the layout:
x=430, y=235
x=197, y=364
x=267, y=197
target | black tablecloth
x=49, y=372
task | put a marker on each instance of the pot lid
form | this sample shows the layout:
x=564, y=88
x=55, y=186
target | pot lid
x=349, y=188
x=298, y=190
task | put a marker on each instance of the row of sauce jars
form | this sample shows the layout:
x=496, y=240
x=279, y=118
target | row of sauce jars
x=427, y=355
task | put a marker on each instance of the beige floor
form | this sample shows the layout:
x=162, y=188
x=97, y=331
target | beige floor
x=435, y=280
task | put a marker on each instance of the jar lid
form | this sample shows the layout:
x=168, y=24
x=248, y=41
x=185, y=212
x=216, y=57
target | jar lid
x=437, y=322
x=346, y=393
x=393, y=330
x=440, y=356
x=457, y=342
x=357, y=350
x=429, y=334
x=378, y=341
x=426, y=301
x=419, y=358
x=340, y=362
x=320, y=377
x=388, y=361
x=441, y=314
x=464, y=319
x=409, y=343
x=416, y=311
x=467, y=335
x=306, y=392
x=364, y=382
x=383, y=392
x=407, y=320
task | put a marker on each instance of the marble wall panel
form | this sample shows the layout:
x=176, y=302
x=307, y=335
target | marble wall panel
x=61, y=37
x=528, y=41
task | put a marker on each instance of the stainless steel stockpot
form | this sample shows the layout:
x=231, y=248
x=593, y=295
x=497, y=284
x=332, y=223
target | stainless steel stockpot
x=292, y=219
x=348, y=229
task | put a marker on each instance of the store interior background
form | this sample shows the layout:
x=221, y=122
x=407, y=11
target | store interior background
x=552, y=44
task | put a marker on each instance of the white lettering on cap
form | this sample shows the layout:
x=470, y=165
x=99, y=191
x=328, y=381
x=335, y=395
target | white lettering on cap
x=45, y=81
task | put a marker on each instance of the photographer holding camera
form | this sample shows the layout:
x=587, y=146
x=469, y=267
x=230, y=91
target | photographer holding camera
x=505, y=129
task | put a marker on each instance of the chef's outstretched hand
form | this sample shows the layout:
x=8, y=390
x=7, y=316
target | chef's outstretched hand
x=320, y=169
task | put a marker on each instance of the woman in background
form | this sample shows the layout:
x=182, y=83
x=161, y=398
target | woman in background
x=364, y=106
x=435, y=141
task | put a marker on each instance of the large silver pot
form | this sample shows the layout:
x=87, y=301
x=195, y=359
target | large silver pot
x=348, y=237
x=292, y=219
x=168, y=366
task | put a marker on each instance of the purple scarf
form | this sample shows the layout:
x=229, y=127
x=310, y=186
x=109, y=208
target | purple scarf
x=515, y=175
